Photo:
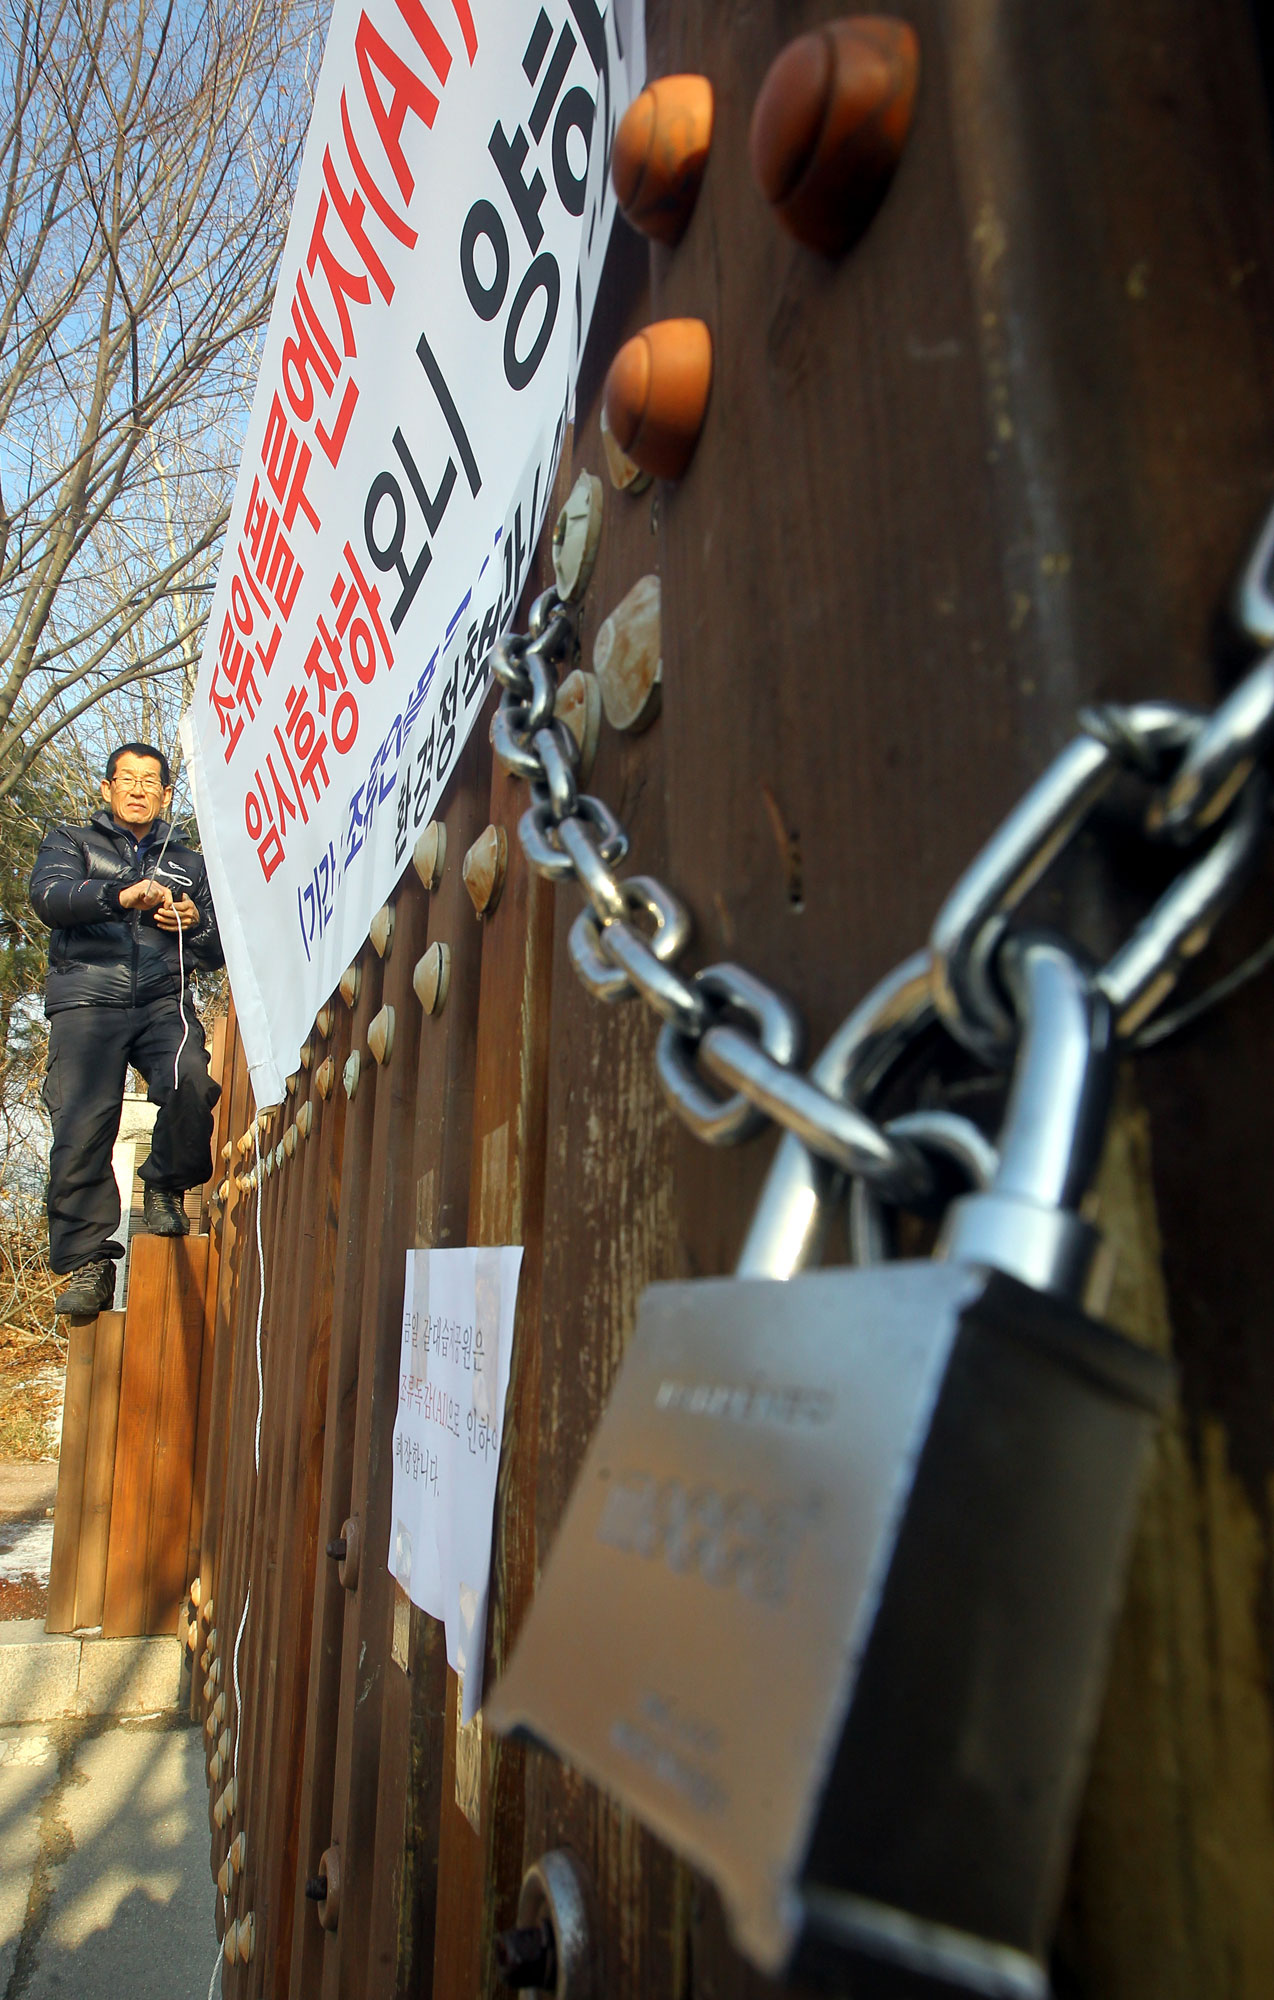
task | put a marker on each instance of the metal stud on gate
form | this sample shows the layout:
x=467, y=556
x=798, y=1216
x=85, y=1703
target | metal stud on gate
x=579, y=706
x=626, y=476
x=325, y=1077
x=323, y=1889
x=351, y=984
x=656, y=395
x=577, y=536
x=429, y=855
x=830, y=124
x=381, y=932
x=324, y=1020
x=628, y=658
x=660, y=155
x=346, y=1551
x=484, y=869
x=380, y=1035
x=553, y=1946
x=432, y=977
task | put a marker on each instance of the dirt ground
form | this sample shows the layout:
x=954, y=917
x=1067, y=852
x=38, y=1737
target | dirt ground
x=33, y=1350
x=27, y=1490
x=31, y=1383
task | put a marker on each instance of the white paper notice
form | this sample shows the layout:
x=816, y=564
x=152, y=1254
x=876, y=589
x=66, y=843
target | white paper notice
x=457, y=1349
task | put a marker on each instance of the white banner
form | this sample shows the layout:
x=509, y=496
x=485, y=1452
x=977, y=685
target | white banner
x=457, y=1353
x=451, y=218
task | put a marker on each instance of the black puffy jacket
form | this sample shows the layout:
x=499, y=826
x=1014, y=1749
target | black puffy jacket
x=100, y=955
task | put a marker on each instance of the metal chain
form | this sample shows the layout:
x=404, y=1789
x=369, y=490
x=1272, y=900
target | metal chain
x=726, y=1027
x=721, y=1023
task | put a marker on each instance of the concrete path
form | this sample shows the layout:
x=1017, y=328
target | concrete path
x=105, y=1891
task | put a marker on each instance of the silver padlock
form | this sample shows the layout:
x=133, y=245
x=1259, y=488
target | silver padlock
x=830, y=1605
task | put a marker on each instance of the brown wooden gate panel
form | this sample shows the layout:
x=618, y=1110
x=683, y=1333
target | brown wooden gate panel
x=146, y=1566
x=1001, y=458
x=86, y=1473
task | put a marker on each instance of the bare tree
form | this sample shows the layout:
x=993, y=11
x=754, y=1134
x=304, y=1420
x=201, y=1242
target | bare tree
x=147, y=158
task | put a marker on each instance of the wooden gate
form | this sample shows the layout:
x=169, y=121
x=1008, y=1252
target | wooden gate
x=133, y=1453
x=1001, y=458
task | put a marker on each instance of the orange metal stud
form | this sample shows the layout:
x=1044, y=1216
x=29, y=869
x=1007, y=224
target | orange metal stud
x=656, y=394
x=830, y=123
x=660, y=152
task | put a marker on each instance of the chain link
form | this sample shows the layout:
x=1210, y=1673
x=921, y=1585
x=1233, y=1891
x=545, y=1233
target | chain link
x=725, y=1027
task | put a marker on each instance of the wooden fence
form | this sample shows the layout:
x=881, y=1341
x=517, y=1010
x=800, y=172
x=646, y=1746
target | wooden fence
x=86, y=1474
x=1002, y=457
x=128, y=1520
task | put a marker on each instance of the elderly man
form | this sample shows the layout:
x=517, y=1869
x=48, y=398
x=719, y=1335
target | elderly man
x=132, y=917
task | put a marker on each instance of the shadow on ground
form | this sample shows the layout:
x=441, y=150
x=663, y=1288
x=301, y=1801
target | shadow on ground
x=105, y=1892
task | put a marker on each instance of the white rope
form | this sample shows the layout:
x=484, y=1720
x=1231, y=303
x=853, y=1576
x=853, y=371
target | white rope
x=256, y=1456
x=181, y=1007
x=256, y=1147
x=181, y=1004
x=234, y=1672
x=181, y=961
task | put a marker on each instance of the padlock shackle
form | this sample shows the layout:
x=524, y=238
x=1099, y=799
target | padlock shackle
x=1027, y=1223
x=1055, y=1125
x=1064, y=1078
x=800, y=1193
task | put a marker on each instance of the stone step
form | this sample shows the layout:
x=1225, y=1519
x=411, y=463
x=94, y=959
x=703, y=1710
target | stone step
x=43, y=1676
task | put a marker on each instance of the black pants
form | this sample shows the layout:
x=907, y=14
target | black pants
x=90, y=1049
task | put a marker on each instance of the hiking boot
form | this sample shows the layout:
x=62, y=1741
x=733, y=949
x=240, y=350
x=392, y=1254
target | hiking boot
x=91, y=1290
x=162, y=1212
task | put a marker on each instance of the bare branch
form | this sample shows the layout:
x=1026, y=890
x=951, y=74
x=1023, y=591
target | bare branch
x=147, y=152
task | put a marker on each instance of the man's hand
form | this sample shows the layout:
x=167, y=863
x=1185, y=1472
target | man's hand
x=180, y=916
x=144, y=896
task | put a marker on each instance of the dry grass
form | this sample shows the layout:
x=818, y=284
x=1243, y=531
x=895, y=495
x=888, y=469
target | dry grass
x=28, y=1411
x=32, y=1345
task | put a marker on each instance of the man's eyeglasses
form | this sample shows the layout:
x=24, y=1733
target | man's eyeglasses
x=151, y=785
